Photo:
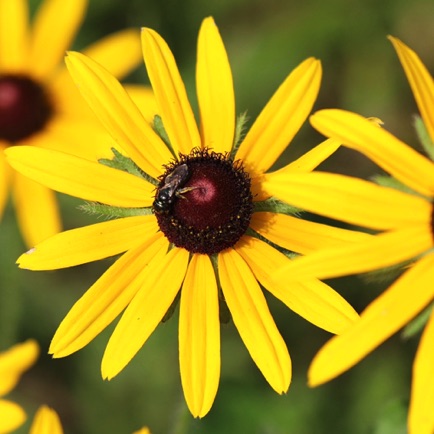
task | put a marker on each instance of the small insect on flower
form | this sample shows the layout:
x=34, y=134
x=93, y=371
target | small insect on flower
x=171, y=188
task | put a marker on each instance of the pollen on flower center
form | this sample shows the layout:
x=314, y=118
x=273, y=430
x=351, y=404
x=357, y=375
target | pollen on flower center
x=203, y=202
x=24, y=107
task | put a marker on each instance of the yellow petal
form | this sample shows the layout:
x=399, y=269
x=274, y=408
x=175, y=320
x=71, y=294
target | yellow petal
x=120, y=116
x=253, y=320
x=199, y=336
x=14, y=362
x=46, y=421
x=169, y=89
x=54, y=28
x=301, y=236
x=107, y=297
x=81, y=178
x=421, y=82
x=144, y=430
x=215, y=90
x=394, y=156
x=14, y=16
x=379, y=251
x=310, y=298
x=144, y=99
x=312, y=159
x=12, y=416
x=89, y=243
x=349, y=199
x=281, y=118
x=37, y=210
x=5, y=180
x=380, y=320
x=157, y=291
x=421, y=417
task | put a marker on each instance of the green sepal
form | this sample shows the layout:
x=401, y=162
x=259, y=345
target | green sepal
x=390, y=182
x=158, y=127
x=126, y=164
x=112, y=212
x=276, y=206
x=240, y=129
x=416, y=326
x=424, y=137
x=169, y=313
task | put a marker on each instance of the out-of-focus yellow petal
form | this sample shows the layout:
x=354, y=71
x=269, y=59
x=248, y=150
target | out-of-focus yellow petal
x=394, y=156
x=253, y=320
x=313, y=158
x=349, y=199
x=107, y=297
x=383, y=250
x=199, y=336
x=89, y=243
x=15, y=361
x=144, y=430
x=310, y=298
x=169, y=89
x=281, y=118
x=421, y=417
x=421, y=82
x=5, y=180
x=46, y=421
x=301, y=236
x=157, y=291
x=380, y=320
x=117, y=112
x=54, y=28
x=81, y=178
x=215, y=90
x=12, y=416
x=37, y=210
x=14, y=29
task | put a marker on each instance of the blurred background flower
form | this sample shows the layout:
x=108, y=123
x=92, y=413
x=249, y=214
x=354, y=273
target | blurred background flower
x=264, y=41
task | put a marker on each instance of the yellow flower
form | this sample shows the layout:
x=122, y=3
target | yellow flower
x=198, y=230
x=46, y=421
x=39, y=104
x=406, y=221
x=13, y=363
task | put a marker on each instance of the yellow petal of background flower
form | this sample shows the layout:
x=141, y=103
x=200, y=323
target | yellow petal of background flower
x=421, y=416
x=394, y=156
x=383, y=250
x=348, y=199
x=299, y=235
x=46, y=421
x=281, y=118
x=313, y=158
x=199, y=336
x=14, y=34
x=13, y=363
x=54, y=28
x=157, y=291
x=5, y=180
x=122, y=119
x=107, y=297
x=81, y=178
x=310, y=298
x=169, y=89
x=253, y=320
x=37, y=210
x=12, y=416
x=421, y=82
x=89, y=243
x=380, y=320
x=215, y=90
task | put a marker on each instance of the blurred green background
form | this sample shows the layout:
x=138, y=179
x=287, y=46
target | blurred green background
x=265, y=41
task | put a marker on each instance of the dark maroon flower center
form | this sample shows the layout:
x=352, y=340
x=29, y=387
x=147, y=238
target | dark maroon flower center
x=203, y=202
x=24, y=107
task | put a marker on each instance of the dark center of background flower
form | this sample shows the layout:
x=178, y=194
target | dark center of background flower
x=212, y=204
x=24, y=107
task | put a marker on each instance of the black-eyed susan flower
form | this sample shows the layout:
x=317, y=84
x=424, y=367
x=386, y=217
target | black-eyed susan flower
x=405, y=219
x=13, y=363
x=196, y=219
x=46, y=421
x=39, y=104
